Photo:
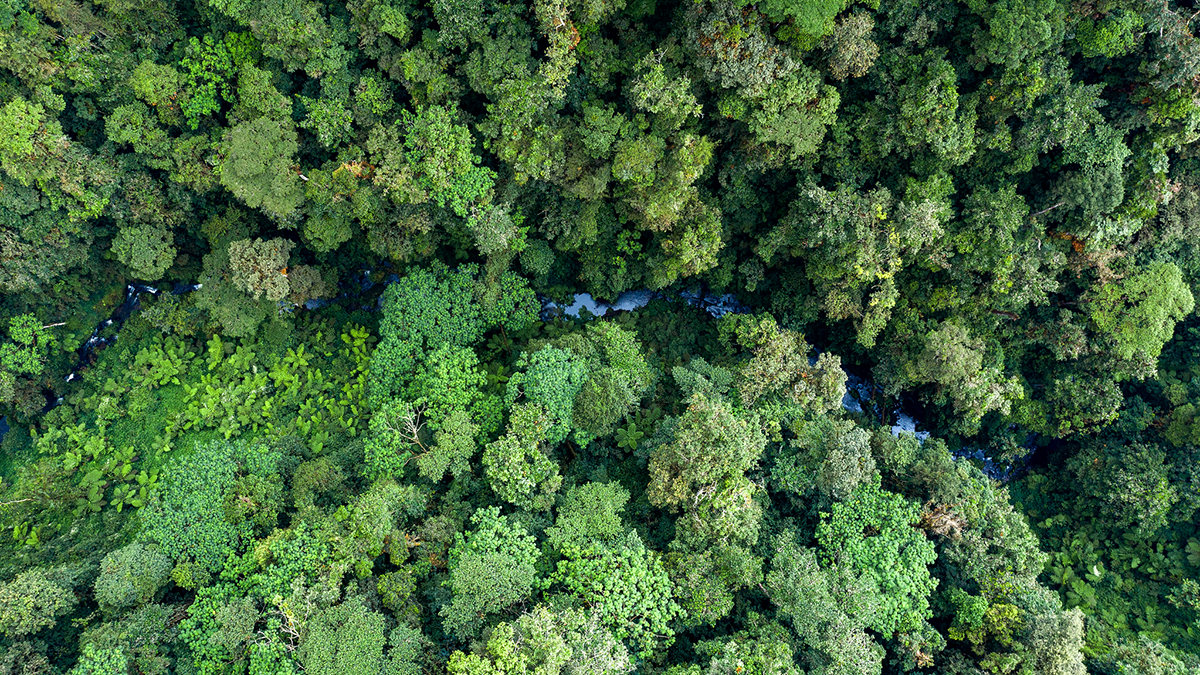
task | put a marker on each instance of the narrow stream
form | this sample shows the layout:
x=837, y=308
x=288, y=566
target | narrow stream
x=857, y=389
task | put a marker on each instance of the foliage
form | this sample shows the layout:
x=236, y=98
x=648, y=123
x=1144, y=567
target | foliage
x=131, y=576
x=1140, y=312
x=588, y=514
x=34, y=600
x=628, y=588
x=492, y=568
x=516, y=464
x=871, y=534
x=700, y=467
x=346, y=638
x=185, y=515
x=548, y=642
x=257, y=166
x=976, y=221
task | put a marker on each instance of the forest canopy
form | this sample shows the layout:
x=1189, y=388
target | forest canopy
x=902, y=374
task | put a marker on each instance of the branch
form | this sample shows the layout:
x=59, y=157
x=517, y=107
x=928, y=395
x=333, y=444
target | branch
x=1047, y=210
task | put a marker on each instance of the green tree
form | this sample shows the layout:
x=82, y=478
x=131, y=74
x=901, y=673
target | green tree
x=851, y=50
x=130, y=576
x=589, y=514
x=764, y=649
x=1128, y=484
x=627, y=586
x=27, y=346
x=954, y=363
x=257, y=166
x=238, y=313
x=618, y=377
x=1139, y=312
x=829, y=609
x=34, y=600
x=93, y=661
x=347, y=638
x=779, y=379
x=516, y=464
x=146, y=249
x=552, y=378
x=1016, y=31
x=185, y=516
x=547, y=642
x=492, y=568
x=439, y=154
x=454, y=444
x=871, y=534
x=699, y=466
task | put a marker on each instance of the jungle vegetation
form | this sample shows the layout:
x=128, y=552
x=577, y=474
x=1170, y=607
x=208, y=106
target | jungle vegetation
x=342, y=431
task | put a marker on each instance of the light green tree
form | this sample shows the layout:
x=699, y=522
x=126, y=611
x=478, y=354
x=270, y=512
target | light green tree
x=132, y=575
x=1139, y=313
x=258, y=166
x=492, y=568
x=872, y=534
x=34, y=600
x=516, y=464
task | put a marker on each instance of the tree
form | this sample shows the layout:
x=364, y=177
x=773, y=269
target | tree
x=779, y=379
x=93, y=661
x=454, y=443
x=522, y=128
x=238, y=313
x=440, y=156
x=552, y=378
x=346, y=639
x=147, y=250
x=257, y=166
x=516, y=464
x=589, y=514
x=808, y=20
x=133, y=124
x=131, y=576
x=955, y=363
x=828, y=609
x=1128, y=484
x=668, y=98
x=852, y=52
x=492, y=568
x=762, y=650
x=1139, y=313
x=628, y=588
x=930, y=115
x=20, y=121
x=618, y=377
x=34, y=600
x=454, y=307
x=28, y=344
x=1017, y=30
x=794, y=112
x=852, y=249
x=831, y=458
x=185, y=516
x=328, y=118
x=568, y=641
x=450, y=379
x=871, y=534
x=258, y=97
x=1051, y=640
x=699, y=466
x=158, y=86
